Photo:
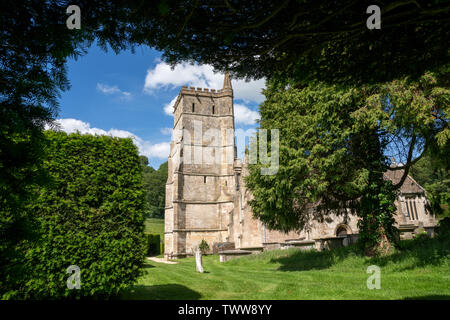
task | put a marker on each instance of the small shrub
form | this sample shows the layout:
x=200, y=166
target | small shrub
x=204, y=247
x=421, y=236
x=444, y=228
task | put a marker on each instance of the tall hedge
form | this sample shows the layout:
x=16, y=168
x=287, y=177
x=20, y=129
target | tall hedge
x=153, y=244
x=91, y=215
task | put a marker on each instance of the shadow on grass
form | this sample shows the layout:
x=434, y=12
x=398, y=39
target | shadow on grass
x=313, y=260
x=161, y=292
x=430, y=297
x=421, y=252
x=416, y=253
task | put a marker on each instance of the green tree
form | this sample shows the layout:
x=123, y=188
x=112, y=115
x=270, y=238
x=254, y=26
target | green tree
x=432, y=173
x=35, y=44
x=336, y=142
x=155, y=189
x=307, y=40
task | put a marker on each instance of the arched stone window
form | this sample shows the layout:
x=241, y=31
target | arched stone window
x=342, y=230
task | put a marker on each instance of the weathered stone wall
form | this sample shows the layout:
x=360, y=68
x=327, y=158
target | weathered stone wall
x=200, y=185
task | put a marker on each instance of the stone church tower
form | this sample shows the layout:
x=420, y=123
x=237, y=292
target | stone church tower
x=202, y=177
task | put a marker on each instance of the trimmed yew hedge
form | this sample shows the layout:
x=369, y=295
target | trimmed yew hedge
x=153, y=244
x=91, y=215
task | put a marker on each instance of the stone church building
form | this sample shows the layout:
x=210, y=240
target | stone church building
x=209, y=199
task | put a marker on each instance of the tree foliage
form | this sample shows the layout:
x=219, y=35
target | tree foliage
x=91, y=215
x=155, y=188
x=432, y=173
x=309, y=40
x=336, y=141
x=34, y=47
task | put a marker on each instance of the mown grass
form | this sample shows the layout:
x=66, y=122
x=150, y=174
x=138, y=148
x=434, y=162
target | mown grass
x=419, y=269
x=155, y=225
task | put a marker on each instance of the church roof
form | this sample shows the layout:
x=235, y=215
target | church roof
x=409, y=185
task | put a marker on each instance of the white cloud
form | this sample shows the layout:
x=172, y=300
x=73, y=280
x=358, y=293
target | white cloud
x=203, y=76
x=146, y=148
x=244, y=115
x=158, y=150
x=166, y=131
x=168, y=107
x=184, y=74
x=112, y=90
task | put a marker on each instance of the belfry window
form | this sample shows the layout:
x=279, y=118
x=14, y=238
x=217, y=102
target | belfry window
x=213, y=109
x=193, y=107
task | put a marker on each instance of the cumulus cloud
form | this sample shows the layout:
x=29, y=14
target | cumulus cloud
x=163, y=76
x=184, y=74
x=146, y=148
x=166, y=131
x=168, y=107
x=244, y=115
x=109, y=90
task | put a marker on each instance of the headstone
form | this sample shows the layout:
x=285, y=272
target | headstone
x=198, y=260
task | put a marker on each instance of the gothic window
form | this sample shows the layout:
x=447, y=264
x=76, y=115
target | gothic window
x=407, y=209
x=415, y=209
x=411, y=209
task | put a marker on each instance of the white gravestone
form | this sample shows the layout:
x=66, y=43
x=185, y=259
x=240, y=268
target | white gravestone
x=198, y=260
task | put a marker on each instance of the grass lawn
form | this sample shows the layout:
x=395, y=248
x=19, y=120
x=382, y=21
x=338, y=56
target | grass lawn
x=155, y=225
x=419, y=270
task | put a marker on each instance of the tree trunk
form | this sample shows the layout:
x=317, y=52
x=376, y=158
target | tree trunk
x=383, y=247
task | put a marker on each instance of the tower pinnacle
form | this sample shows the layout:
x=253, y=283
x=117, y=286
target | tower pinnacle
x=227, y=81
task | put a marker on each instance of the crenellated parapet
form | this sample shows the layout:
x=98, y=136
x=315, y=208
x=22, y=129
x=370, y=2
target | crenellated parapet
x=207, y=91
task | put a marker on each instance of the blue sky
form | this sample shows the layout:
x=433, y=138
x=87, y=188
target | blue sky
x=130, y=95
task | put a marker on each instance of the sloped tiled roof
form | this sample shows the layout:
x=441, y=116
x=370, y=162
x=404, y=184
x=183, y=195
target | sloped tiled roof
x=409, y=185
